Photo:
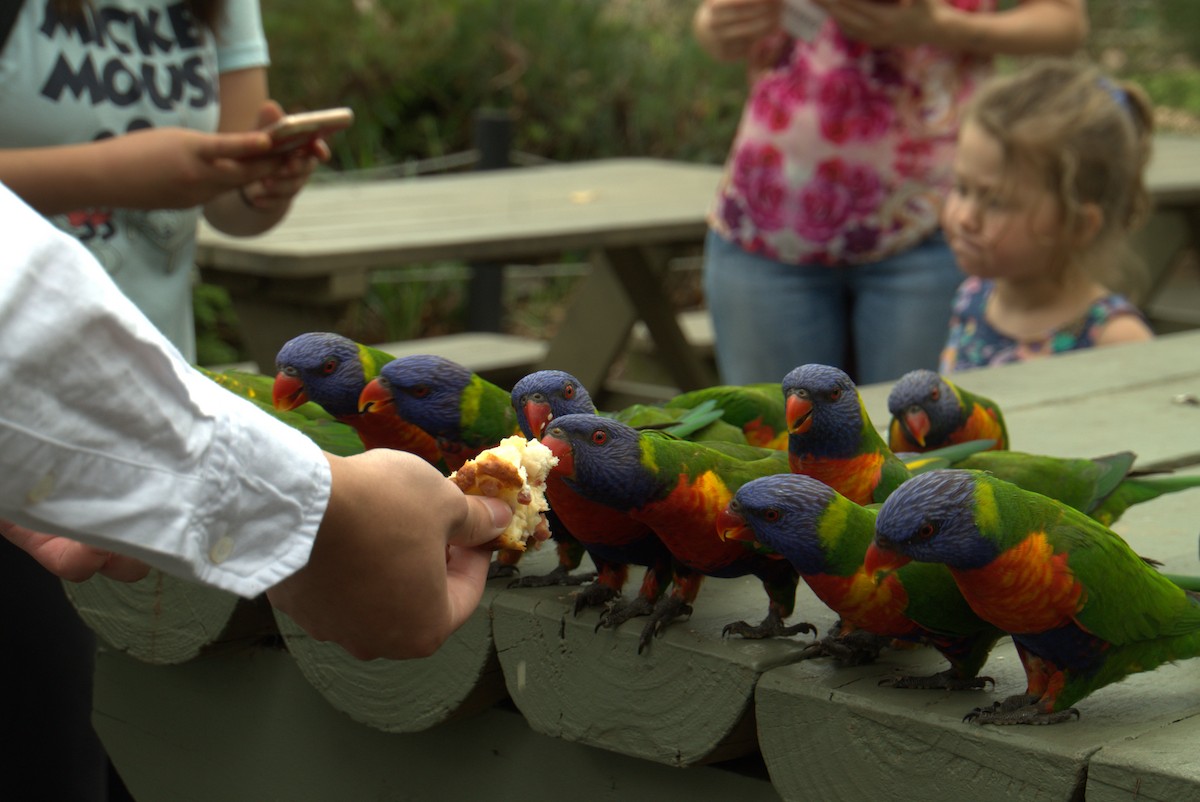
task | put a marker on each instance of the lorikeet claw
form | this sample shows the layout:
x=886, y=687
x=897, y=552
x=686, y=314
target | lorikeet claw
x=665, y=611
x=856, y=648
x=596, y=594
x=619, y=613
x=501, y=570
x=942, y=681
x=1020, y=709
x=771, y=627
x=561, y=575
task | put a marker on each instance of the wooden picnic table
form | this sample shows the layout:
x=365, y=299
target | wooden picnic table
x=626, y=213
x=581, y=714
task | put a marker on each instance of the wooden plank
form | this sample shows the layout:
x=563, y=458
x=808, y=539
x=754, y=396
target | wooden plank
x=686, y=700
x=245, y=725
x=160, y=619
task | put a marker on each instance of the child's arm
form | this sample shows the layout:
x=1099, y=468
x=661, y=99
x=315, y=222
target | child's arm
x=1124, y=329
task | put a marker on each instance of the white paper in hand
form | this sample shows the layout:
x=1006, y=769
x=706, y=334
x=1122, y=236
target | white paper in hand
x=803, y=19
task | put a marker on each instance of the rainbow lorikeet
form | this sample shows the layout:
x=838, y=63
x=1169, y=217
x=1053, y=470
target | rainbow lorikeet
x=677, y=488
x=756, y=409
x=612, y=539
x=825, y=536
x=929, y=411
x=1082, y=608
x=831, y=438
x=311, y=419
x=1103, y=487
x=331, y=371
x=463, y=412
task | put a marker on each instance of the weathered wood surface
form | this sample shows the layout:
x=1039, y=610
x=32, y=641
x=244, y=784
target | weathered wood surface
x=686, y=699
x=159, y=619
x=246, y=725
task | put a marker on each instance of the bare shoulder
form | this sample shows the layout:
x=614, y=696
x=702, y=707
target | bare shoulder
x=1124, y=329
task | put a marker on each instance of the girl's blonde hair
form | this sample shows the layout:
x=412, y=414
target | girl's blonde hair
x=1087, y=134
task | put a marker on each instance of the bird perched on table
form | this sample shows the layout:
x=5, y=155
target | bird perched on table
x=677, y=488
x=312, y=420
x=613, y=539
x=831, y=438
x=331, y=371
x=1082, y=608
x=463, y=412
x=929, y=411
x=825, y=536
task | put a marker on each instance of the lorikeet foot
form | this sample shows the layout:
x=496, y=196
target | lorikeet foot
x=665, y=611
x=561, y=575
x=942, y=681
x=1019, y=709
x=501, y=570
x=771, y=627
x=857, y=648
x=619, y=613
x=596, y=594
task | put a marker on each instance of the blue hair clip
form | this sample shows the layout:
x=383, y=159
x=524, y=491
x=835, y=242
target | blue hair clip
x=1117, y=93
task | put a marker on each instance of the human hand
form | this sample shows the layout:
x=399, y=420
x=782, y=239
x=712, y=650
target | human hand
x=400, y=560
x=177, y=168
x=729, y=29
x=274, y=192
x=887, y=23
x=71, y=560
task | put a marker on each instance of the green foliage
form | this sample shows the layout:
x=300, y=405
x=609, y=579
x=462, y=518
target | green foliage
x=582, y=78
x=217, y=341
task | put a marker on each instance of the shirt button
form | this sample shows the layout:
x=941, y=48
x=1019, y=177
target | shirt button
x=221, y=550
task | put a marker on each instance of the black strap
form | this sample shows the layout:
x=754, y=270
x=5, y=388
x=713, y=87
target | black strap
x=9, y=9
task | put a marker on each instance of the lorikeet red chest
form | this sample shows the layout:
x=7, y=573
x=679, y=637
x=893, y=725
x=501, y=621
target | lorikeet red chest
x=686, y=521
x=855, y=477
x=875, y=607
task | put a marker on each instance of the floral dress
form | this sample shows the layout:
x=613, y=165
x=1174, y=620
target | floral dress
x=843, y=151
x=973, y=343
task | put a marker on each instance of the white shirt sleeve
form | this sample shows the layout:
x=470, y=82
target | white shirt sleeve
x=108, y=436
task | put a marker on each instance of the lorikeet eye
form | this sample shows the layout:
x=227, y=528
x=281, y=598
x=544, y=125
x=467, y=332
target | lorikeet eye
x=771, y=514
x=419, y=390
x=329, y=366
x=568, y=391
x=835, y=394
x=927, y=530
x=599, y=437
x=936, y=394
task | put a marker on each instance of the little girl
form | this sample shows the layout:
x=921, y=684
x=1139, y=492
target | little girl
x=1048, y=185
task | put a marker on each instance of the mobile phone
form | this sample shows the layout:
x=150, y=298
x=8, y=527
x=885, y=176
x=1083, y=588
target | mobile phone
x=296, y=130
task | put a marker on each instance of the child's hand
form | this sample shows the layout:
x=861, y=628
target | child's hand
x=274, y=191
x=728, y=29
x=886, y=23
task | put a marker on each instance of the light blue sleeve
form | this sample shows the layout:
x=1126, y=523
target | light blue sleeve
x=241, y=42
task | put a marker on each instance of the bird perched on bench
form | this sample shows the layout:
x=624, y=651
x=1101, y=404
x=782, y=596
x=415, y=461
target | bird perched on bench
x=463, y=412
x=331, y=370
x=929, y=411
x=677, y=488
x=1082, y=608
x=825, y=537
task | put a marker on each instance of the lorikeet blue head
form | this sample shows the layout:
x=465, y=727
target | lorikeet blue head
x=601, y=459
x=426, y=390
x=545, y=395
x=931, y=518
x=782, y=512
x=322, y=367
x=824, y=413
x=925, y=406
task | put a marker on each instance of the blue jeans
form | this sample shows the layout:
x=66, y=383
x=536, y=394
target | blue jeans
x=876, y=321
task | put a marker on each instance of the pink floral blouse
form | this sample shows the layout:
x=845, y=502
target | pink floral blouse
x=844, y=152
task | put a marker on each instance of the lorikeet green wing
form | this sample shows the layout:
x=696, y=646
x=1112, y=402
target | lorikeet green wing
x=757, y=410
x=825, y=536
x=319, y=425
x=1082, y=608
x=331, y=370
x=929, y=411
x=677, y=488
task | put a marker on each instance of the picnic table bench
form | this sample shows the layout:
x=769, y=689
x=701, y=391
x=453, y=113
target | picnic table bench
x=528, y=701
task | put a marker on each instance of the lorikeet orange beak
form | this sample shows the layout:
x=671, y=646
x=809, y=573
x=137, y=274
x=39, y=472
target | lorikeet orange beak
x=287, y=392
x=917, y=422
x=731, y=526
x=878, y=559
x=539, y=416
x=375, y=397
x=799, y=414
x=562, y=450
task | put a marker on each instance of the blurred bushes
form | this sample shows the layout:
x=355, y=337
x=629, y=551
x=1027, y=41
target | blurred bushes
x=583, y=78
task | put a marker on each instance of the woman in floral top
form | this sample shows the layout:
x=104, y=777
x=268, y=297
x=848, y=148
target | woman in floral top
x=824, y=243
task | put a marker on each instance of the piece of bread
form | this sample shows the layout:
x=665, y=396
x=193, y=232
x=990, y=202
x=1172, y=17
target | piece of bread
x=514, y=471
